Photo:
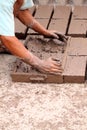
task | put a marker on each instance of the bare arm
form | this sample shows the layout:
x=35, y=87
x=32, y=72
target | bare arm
x=17, y=6
x=27, y=19
x=17, y=48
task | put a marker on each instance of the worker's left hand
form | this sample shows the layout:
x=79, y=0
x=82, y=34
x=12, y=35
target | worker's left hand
x=56, y=35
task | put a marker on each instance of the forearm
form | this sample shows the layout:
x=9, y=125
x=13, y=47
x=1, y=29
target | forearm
x=39, y=28
x=27, y=19
x=18, y=49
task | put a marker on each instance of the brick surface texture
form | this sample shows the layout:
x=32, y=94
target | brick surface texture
x=62, y=2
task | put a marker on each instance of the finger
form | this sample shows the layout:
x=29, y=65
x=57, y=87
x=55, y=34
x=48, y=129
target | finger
x=58, y=72
x=59, y=42
x=64, y=40
x=55, y=36
x=55, y=72
x=57, y=69
x=56, y=61
x=61, y=36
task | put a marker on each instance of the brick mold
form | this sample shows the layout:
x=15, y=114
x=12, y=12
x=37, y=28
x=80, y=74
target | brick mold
x=42, y=49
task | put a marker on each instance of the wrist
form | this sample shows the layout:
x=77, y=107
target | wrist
x=32, y=60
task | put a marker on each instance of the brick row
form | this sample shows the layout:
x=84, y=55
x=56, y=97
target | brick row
x=60, y=19
x=78, y=25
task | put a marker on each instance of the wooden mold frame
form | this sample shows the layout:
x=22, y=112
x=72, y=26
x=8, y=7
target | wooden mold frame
x=25, y=73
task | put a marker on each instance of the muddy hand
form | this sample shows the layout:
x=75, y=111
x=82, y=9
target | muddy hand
x=50, y=66
x=61, y=37
x=56, y=35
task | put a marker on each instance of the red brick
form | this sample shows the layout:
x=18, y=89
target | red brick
x=59, y=25
x=75, y=68
x=78, y=47
x=62, y=12
x=77, y=28
x=80, y=12
x=44, y=11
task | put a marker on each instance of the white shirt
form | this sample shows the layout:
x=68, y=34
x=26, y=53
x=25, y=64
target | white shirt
x=7, y=17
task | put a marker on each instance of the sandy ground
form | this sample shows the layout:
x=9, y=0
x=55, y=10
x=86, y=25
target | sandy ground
x=26, y=106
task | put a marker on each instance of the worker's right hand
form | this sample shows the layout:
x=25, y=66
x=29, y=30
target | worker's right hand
x=49, y=66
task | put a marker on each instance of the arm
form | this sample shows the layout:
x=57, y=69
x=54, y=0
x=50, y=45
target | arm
x=17, y=48
x=17, y=6
x=27, y=19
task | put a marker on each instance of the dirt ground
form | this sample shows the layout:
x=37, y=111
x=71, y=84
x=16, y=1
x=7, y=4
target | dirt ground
x=26, y=106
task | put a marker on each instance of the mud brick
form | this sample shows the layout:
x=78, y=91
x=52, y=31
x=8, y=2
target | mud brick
x=77, y=28
x=62, y=12
x=78, y=47
x=75, y=68
x=80, y=12
x=59, y=25
x=44, y=11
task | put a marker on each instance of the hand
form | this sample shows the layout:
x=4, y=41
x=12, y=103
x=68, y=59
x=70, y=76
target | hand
x=49, y=66
x=56, y=35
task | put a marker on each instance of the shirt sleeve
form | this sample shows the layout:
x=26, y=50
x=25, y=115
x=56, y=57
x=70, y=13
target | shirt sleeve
x=6, y=18
x=27, y=4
